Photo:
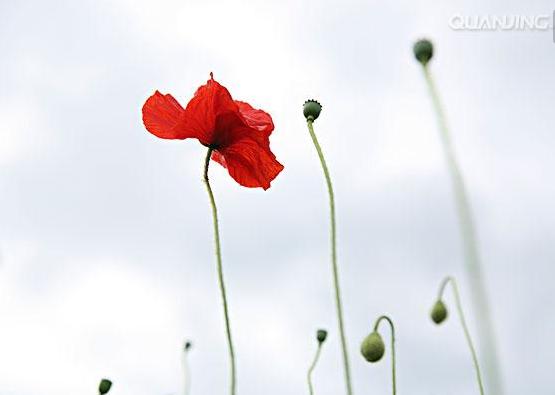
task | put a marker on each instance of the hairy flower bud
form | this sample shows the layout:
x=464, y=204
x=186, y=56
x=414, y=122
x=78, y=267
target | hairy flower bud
x=321, y=335
x=311, y=109
x=104, y=386
x=423, y=51
x=373, y=347
x=439, y=312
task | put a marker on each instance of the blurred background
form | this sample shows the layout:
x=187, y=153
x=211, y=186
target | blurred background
x=106, y=259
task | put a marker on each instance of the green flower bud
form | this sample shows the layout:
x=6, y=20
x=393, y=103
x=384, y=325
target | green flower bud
x=321, y=335
x=104, y=386
x=311, y=109
x=439, y=312
x=373, y=347
x=423, y=51
x=188, y=345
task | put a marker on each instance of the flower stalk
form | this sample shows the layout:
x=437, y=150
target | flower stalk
x=311, y=369
x=335, y=270
x=221, y=282
x=424, y=52
x=321, y=337
x=458, y=304
x=393, y=361
x=186, y=370
x=373, y=348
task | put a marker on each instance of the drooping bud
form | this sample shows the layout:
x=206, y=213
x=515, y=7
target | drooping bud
x=439, y=312
x=423, y=51
x=104, y=386
x=311, y=109
x=321, y=335
x=373, y=347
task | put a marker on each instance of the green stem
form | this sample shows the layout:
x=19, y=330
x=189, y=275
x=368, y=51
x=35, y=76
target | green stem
x=393, y=363
x=334, y=258
x=312, y=366
x=474, y=268
x=220, y=271
x=464, y=326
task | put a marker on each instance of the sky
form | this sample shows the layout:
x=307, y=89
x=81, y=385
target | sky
x=106, y=260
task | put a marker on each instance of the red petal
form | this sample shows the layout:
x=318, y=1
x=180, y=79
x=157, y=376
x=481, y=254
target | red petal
x=238, y=132
x=257, y=119
x=210, y=101
x=250, y=161
x=161, y=114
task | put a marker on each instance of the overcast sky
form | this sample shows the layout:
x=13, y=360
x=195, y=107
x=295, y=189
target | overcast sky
x=106, y=260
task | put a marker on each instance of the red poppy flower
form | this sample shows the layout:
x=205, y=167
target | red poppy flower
x=238, y=133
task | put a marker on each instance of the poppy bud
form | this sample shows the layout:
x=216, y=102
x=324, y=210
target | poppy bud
x=373, y=347
x=423, y=51
x=311, y=109
x=321, y=335
x=104, y=386
x=188, y=345
x=439, y=312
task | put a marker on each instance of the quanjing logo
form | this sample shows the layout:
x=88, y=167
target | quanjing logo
x=541, y=22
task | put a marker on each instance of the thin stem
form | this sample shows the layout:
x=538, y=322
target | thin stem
x=312, y=366
x=335, y=269
x=464, y=326
x=442, y=286
x=220, y=271
x=393, y=363
x=186, y=375
x=473, y=265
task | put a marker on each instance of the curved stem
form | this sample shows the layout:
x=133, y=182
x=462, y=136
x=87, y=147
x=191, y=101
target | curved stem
x=335, y=269
x=312, y=366
x=393, y=363
x=474, y=270
x=464, y=326
x=442, y=286
x=220, y=270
